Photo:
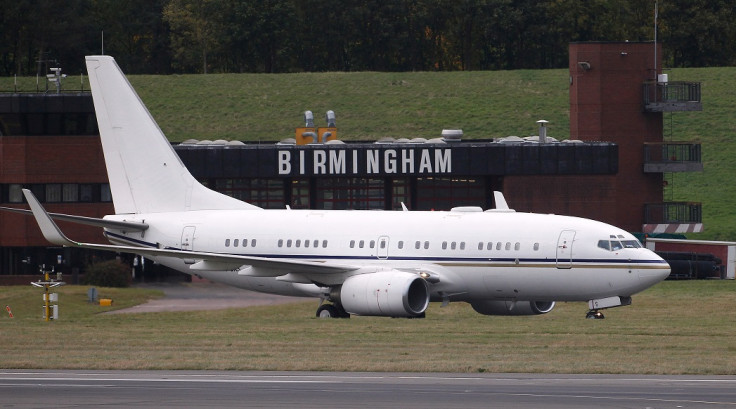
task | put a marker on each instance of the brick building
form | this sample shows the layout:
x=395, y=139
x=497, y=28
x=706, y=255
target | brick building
x=613, y=172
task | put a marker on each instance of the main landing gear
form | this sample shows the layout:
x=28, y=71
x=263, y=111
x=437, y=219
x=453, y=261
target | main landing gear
x=332, y=311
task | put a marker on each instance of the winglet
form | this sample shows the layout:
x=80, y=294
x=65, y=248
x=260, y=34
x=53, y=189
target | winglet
x=50, y=230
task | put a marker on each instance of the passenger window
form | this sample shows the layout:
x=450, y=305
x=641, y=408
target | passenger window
x=253, y=242
x=401, y=245
x=245, y=242
x=227, y=242
x=281, y=242
x=453, y=245
x=416, y=245
x=444, y=245
x=489, y=246
x=373, y=243
x=324, y=243
x=383, y=244
x=306, y=243
x=298, y=243
x=288, y=243
x=352, y=244
x=480, y=246
x=426, y=245
x=361, y=244
x=498, y=245
x=536, y=246
x=508, y=245
x=462, y=245
x=236, y=242
x=517, y=246
x=315, y=244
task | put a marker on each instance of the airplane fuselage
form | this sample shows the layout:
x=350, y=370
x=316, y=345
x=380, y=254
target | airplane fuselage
x=478, y=255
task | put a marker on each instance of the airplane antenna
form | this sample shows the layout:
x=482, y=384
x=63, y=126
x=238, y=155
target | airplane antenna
x=102, y=32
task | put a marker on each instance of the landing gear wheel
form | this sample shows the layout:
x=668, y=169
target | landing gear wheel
x=331, y=311
x=594, y=315
x=327, y=311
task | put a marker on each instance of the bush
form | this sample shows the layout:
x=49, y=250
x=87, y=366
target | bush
x=110, y=273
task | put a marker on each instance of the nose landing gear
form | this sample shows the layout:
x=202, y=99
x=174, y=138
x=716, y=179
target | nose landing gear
x=594, y=315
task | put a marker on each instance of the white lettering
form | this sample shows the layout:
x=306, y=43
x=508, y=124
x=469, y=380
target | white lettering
x=355, y=162
x=425, y=164
x=301, y=162
x=337, y=162
x=442, y=161
x=371, y=161
x=320, y=163
x=389, y=161
x=284, y=162
x=407, y=161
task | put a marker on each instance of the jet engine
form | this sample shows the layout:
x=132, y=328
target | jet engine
x=513, y=308
x=386, y=293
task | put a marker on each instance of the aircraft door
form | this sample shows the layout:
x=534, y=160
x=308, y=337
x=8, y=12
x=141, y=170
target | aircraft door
x=382, y=252
x=187, y=238
x=564, y=248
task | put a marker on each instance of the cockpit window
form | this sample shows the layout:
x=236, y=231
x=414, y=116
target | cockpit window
x=614, y=244
x=631, y=244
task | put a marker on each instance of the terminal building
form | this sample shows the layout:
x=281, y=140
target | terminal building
x=611, y=168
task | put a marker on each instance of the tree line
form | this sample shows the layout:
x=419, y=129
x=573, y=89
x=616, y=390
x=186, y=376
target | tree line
x=201, y=36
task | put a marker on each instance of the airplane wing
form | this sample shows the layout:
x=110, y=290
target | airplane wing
x=265, y=267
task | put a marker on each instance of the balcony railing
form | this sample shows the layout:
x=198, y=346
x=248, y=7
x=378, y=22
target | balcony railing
x=672, y=96
x=672, y=157
x=673, y=213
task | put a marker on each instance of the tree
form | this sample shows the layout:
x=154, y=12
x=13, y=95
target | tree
x=196, y=30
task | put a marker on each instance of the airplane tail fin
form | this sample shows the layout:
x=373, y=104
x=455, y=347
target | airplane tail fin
x=145, y=173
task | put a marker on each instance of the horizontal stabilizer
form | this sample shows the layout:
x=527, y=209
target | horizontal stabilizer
x=89, y=221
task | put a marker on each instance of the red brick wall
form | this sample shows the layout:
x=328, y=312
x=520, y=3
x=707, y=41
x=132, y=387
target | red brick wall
x=51, y=159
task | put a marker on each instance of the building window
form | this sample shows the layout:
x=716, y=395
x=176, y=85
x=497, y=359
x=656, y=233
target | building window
x=53, y=192
x=401, y=193
x=70, y=192
x=443, y=193
x=300, y=194
x=15, y=193
x=265, y=193
x=105, y=194
x=350, y=193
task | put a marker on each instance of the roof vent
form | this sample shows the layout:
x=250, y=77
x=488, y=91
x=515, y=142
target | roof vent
x=452, y=135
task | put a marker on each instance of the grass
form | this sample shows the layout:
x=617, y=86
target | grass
x=485, y=104
x=673, y=328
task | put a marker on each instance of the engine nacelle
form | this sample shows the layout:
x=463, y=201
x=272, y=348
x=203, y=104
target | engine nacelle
x=513, y=308
x=386, y=293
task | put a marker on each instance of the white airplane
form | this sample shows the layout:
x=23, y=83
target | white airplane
x=379, y=263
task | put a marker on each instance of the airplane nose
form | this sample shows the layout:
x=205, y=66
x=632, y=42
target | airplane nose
x=659, y=271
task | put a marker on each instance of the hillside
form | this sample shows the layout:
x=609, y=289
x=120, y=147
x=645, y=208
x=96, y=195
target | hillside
x=485, y=104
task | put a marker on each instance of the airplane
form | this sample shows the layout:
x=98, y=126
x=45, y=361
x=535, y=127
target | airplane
x=371, y=263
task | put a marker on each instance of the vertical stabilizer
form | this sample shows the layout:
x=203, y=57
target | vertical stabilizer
x=146, y=175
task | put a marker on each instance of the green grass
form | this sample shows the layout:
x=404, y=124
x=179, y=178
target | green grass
x=485, y=104
x=673, y=328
